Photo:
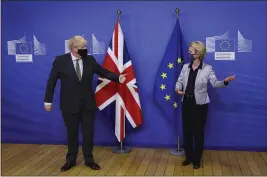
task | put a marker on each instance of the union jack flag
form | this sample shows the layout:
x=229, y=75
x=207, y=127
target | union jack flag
x=124, y=97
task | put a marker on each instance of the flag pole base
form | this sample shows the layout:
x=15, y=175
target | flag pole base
x=176, y=152
x=119, y=150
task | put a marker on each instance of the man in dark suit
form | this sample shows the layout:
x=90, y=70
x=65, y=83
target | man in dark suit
x=77, y=103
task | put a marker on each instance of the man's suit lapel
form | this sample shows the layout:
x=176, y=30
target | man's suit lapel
x=84, y=68
x=72, y=67
x=87, y=68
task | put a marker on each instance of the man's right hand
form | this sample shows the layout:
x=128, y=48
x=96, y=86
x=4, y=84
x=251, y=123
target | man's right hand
x=180, y=92
x=48, y=108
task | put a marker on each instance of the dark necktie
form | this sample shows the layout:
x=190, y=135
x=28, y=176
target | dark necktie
x=78, y=70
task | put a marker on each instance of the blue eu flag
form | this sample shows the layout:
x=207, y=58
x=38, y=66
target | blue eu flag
x=225, y=45
x=169, y=70
x=24, y=48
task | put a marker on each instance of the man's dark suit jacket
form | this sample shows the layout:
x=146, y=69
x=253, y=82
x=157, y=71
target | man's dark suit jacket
x=74, y=92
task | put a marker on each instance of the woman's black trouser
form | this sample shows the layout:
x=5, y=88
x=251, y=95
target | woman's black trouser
x=194, y=121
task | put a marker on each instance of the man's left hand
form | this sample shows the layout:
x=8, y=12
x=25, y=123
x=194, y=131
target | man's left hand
x=122, y=78
x=230, y=78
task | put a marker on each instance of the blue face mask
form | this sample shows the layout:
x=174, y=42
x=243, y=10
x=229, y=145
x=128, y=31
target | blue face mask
x=191, y=57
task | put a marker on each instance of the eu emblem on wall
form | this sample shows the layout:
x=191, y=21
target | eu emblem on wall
x=225, y=49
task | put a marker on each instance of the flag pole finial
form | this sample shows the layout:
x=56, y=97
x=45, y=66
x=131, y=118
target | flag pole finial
x=177, y=12
x=119, y=14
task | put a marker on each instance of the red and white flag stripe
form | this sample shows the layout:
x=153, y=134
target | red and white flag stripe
x=125, y=95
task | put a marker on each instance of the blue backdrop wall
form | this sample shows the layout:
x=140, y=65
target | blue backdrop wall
x=237, y=116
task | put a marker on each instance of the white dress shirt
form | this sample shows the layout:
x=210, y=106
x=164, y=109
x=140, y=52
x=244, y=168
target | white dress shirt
x=74, y=60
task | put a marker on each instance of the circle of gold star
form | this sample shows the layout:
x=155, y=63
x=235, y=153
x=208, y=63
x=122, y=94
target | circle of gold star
x=23, y=48
x=225, y=45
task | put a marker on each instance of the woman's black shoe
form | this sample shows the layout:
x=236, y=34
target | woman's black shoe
x=186, y=162
x=196, y=166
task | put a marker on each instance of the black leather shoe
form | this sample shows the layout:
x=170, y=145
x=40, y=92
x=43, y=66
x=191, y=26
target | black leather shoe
x=186, y=162
x=67, y=166
x=92, y=165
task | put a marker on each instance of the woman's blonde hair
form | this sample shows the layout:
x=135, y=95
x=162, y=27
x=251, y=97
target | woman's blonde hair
x=76, y=41
x=200, y=47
